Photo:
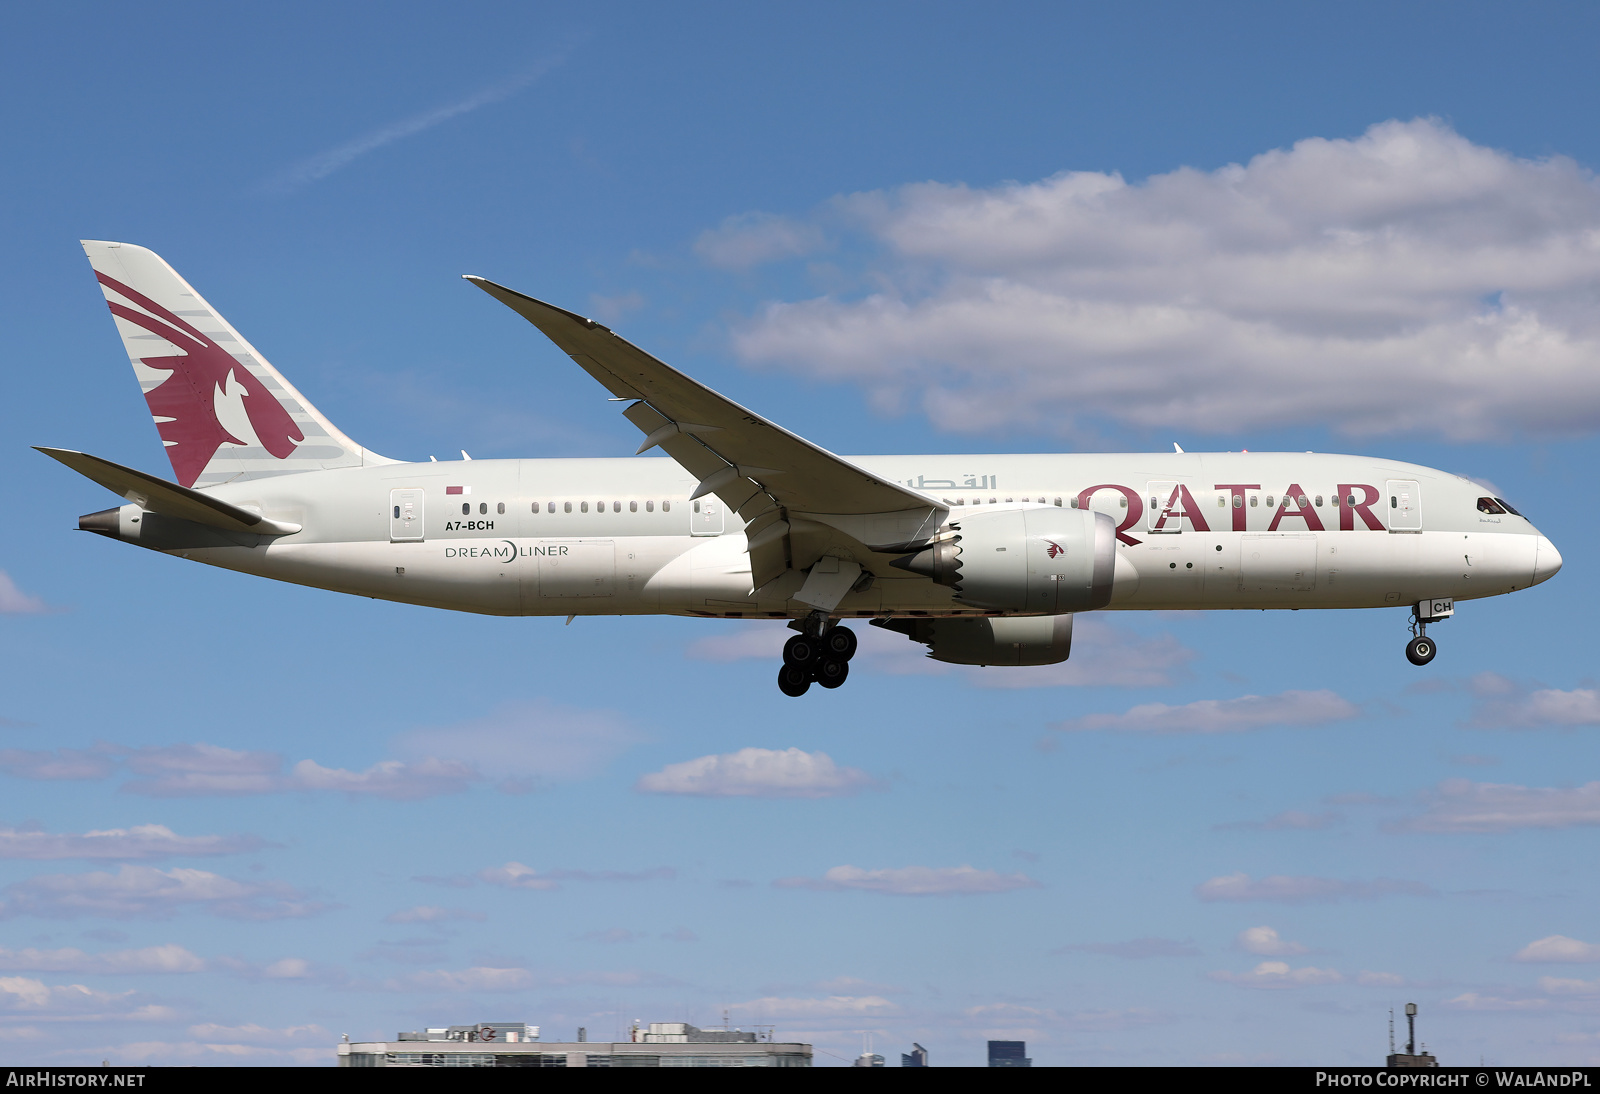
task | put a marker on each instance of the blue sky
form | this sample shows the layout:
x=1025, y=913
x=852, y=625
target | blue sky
x=1364, y=229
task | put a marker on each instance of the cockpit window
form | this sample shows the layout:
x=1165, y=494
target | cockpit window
x=1504, y=504
x=1490, y=505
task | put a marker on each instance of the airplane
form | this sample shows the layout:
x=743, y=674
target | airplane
x=984, y=559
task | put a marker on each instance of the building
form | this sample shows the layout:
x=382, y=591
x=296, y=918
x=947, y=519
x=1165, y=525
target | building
x=1009, y=1054
x=917, y=1057
x=516, y=1044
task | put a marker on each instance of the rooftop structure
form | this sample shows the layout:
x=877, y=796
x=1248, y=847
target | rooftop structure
x=1410, y=1057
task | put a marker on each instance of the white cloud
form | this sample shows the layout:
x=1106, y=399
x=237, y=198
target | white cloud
x=1266, y=942
x=13, y=601
x=477, y=978
x=538, y=740
x=1403, y=281
x=514, y=875
x=223, y=1054
x=832, y=1006
x=428, y=913
x=25, y=995
x=1278, y=974
x=1289, y=708
x=203, y=770
x=59, y=763
x=144, y=892
x=757, y=773
x=1283, y=889
x=1495, y=1003
x=753, y=239
x=1458, y=805
x=1558, y=948
x=261, y=1035
x=1557, y=985
x=170, y=957
x=142, y=841
x=390, y=779
x=914, y=881
x=1501, y=704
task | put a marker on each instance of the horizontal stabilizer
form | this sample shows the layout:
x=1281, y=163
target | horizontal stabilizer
x=168, y=498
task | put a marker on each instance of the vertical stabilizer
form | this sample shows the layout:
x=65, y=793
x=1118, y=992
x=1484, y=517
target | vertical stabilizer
x=222, y=411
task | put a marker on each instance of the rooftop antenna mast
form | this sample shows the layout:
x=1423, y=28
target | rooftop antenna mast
x=1391, y=1031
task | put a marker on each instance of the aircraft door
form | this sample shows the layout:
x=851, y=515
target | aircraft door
x=405, y=516
x=1164, y=508
x=1405, y=505
x=705, y=517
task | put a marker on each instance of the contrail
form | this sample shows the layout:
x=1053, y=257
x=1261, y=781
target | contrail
x=323, y=164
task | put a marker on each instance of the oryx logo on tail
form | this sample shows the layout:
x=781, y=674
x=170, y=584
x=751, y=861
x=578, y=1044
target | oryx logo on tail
x=202, y=374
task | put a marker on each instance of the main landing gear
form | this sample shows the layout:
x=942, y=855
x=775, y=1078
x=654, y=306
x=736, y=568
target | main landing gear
x=819, y=654
x=1421, y=648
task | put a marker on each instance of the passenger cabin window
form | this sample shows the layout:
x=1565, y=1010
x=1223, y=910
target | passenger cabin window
x=616, y=507
x=1058, y=503
x=1254, y=498
x=501, y=509
x=483, y=508
x=1269, y=501
x=1319, y=501
x=666, y=507
x=551, y=508
x=1222, y=502
x=567, y=506
x=649, y=507
x=583, y=506
x=633, y=507
x=1489, y=505
x=466, y=507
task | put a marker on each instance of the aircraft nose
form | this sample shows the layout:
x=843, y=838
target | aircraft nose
x=1546, y=560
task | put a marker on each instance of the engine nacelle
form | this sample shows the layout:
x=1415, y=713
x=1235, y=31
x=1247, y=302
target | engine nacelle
x=1048, y=561
x=1005, y=640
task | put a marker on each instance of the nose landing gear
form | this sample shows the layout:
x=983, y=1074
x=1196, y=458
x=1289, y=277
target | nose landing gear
x=1421, y=648
x=820, y=654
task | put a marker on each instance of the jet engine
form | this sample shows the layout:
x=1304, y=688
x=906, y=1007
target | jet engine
x=1014, y=640
x=1045, y=561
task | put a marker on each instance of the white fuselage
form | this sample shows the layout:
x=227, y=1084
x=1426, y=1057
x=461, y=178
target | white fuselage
x=620, y=536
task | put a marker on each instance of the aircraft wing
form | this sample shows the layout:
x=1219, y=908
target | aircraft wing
x=778, y=482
